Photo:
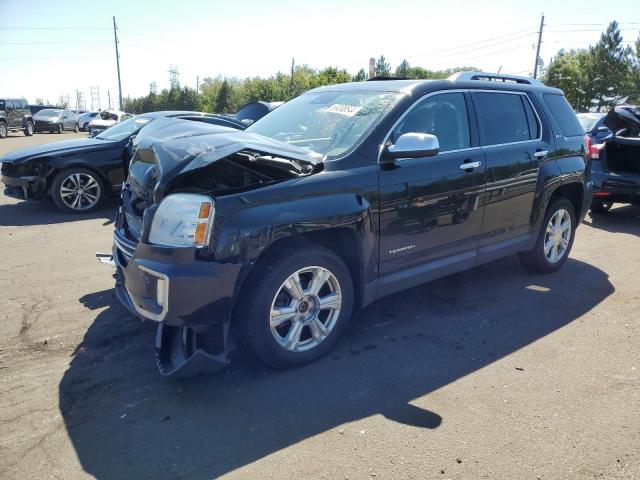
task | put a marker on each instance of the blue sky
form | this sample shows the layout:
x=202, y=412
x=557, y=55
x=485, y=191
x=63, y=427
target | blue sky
x=48, y=49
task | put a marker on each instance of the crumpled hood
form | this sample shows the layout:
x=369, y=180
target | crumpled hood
x=623, y=121
x=66, y=147
x=169, y=147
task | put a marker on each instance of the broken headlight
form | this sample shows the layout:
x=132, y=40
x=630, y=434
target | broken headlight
x=182, y=220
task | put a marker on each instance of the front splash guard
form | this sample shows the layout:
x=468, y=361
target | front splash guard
x=178, y=354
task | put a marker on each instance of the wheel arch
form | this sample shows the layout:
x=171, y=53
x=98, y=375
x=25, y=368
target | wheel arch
x=572, y=191
x=56, y=169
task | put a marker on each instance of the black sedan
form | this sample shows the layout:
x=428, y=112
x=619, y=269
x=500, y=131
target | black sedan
x=77, y=173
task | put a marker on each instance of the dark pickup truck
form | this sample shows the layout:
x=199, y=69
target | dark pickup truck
x=274, y=235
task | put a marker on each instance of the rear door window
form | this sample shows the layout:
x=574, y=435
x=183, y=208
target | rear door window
x=564, y=115
x=502, y=118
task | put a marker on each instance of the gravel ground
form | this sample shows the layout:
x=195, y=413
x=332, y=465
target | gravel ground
x=492, y=373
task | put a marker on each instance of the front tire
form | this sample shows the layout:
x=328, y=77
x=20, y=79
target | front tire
x=3, y=130
x=77, y=190
x=28, y=129
x=60, y=129
x=601, y=206
x=76, y=129
x=295, y=305
x=555, y=239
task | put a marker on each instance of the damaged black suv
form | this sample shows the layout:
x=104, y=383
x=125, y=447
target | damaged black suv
x=274, y=235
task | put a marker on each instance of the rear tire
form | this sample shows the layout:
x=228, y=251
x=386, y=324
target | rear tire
x=76, y=129
x=28, y=129
x=552, y=249
x=601, y=206
x=288, y=330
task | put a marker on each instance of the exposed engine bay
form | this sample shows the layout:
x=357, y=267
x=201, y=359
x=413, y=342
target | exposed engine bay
x=242, y=171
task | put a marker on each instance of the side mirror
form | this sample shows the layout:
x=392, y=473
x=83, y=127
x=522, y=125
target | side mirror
x=413, y=145
x=602, y=129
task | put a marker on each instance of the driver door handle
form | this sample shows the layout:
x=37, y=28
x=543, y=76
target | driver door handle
x=470, y=165
x=541, y=153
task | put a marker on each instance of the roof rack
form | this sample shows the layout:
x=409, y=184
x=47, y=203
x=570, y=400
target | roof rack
x=493, y=77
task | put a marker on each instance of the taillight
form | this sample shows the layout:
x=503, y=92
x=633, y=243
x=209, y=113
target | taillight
x=594, y=151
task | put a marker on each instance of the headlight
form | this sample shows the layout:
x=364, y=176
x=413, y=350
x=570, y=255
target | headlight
x=182, y=220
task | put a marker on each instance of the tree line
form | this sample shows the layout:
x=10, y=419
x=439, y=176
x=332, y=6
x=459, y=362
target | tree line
x=602, y=75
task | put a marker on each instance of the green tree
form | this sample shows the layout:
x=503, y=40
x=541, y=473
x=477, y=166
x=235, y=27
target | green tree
x=610, y=67
x=361, y=76
x=403, y=70
x=568, y=72
x=383, y=69
x=223, y=98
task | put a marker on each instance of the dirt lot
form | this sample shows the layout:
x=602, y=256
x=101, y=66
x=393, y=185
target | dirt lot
x=493, y=373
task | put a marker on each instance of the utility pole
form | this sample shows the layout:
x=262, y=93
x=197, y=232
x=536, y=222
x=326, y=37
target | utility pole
x=293, y=64
x=535, y=65
x=109, y=99
x=198, y=84
x=115, y=37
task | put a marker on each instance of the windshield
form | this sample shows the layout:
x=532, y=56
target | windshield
x=588, y=121
x=329, y=123
x=122, y=130
x=48, y=112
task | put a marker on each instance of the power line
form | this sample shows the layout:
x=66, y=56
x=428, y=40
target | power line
x=480, y=42
x=54, y=43
x=13, y=59
x=55, y=28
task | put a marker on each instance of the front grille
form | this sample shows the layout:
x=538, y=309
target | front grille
x=134, y=225
x=124, y=245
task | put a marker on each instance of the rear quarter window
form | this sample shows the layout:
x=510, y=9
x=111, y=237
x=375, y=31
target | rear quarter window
x=564, y=115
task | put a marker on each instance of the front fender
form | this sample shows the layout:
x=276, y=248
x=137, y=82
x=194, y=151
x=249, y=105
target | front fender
x=248, y=231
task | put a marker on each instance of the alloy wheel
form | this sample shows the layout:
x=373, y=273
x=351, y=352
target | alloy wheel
x=80, y=191
x=29, y=128
x=557, y=236
x=305, y=309
x=3, y=130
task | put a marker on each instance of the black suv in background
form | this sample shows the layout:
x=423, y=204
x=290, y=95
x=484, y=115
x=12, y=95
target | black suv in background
x=14, y=116
x=274, y=235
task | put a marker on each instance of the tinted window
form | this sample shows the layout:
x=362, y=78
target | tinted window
x=2, y=105
x=10, y=105
x=444, y=116
x=564, y=115
x=502, y=118
x=532, y=120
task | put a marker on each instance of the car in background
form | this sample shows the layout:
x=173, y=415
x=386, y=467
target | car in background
x=84, y=119
x=15, y=116
x=593, y=124
x=615, y=163
x=55, y=120
x=254, y=111
x=106, y=119
x=36, y=108
x=78, y=173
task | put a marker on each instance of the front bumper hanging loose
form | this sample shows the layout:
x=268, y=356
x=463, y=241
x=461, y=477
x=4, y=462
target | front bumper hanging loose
x=190, y=301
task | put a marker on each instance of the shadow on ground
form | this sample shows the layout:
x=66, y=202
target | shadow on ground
x=44, y=212
x=620, y=219
x=125, y=421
